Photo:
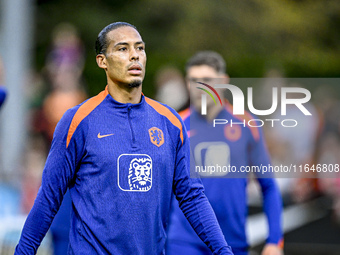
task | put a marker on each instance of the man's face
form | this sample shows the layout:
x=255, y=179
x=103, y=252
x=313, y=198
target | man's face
x=205, y=74
x=125, y=57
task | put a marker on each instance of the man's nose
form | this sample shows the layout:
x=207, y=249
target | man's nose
x=134, y=55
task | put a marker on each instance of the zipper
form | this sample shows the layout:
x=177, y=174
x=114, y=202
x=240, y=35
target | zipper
x=130, y=124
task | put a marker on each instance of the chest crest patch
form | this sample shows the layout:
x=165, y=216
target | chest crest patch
x=232, y=133
x=156, y=136
x=134, y=172
x=140, y=174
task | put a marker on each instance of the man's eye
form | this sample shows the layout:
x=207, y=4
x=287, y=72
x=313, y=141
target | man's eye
x=123, y=49
x=207, y=80
x=140, y=48
x=193, y=79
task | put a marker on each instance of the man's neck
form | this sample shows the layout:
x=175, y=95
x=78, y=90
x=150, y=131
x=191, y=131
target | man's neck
x=213, y=112
x=125, y=94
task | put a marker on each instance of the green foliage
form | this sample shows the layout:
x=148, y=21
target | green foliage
x=301, y=37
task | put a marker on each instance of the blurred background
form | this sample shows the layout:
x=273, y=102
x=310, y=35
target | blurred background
x=48, y=65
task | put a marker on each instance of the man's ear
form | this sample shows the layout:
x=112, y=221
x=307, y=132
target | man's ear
x=187, y=83
x=101, y=61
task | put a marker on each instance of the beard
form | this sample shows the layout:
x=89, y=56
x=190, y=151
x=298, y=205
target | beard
x=135, y=84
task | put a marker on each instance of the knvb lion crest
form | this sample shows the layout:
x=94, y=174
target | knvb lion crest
x=134, y=172
x=140, y=175
x=156, y=136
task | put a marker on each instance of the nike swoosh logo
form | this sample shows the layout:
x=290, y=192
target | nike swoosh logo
x=102, y=136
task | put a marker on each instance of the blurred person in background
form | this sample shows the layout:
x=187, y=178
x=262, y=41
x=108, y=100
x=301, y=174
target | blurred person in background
x=171, y=88
x=328, y=145
x=3, y=94
x=64, y=68
x=223, y=145
x=63, y=73
x=8, y=195
x=3, y=91
x=287, y=147
x=97, y=148
x=65, y=65
x=297, y=148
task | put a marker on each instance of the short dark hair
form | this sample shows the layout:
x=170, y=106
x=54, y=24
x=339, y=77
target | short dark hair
x=209, y=58
x=101, y=42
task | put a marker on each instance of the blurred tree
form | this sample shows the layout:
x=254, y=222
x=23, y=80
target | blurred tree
x=300, y=36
